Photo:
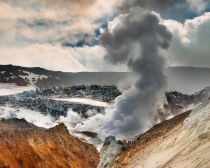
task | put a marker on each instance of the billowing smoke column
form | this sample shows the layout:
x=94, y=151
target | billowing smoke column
x=137, y=40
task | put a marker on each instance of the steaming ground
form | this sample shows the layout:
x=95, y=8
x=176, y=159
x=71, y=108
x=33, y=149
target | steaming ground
x=78, y=124
x=31, y=116
x=74, y=120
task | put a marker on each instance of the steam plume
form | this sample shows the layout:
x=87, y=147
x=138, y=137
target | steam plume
x=137, y=41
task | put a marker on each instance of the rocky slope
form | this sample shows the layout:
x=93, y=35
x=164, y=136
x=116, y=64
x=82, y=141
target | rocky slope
x=178, y=102
x=129, y=149
x=23, y=145
x=183, y=141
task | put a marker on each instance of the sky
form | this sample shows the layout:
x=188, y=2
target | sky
x=65, y=35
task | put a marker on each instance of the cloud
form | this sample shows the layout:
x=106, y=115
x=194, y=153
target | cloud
x=198, y=5
x=171, y=9
x=86, y=8
x=46, y=56
x=190, y=45
x=51, y=24
x=50, y=21
x=56, y=57
x=33, y=32
x=92, y=58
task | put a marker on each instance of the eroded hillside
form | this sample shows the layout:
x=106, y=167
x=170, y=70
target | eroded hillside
x=183, y=141
x=23, y=145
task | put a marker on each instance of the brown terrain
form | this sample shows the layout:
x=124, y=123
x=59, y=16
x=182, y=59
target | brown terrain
x=145, y=143
x=23, y=145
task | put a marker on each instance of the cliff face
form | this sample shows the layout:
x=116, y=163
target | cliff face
x=23, y=145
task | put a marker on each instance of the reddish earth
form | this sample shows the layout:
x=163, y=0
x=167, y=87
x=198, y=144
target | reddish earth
x=23, y=145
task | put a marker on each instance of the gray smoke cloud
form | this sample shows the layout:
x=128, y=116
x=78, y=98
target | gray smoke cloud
x=137, y=41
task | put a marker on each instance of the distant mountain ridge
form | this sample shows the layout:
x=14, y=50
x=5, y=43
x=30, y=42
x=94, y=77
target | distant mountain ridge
x=183, y=79
x=41, y=77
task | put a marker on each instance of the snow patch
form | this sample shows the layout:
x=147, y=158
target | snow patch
x=85, y=101
x=32, y=78
x=12, y=88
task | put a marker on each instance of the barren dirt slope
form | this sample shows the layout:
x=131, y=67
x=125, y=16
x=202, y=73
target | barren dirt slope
x=183, y=142
x=23, y=145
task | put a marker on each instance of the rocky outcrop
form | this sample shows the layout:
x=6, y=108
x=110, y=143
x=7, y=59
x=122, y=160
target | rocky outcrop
x=109, y=151
x=23, y=145
x=178, y=102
